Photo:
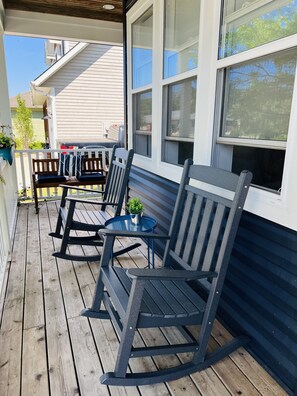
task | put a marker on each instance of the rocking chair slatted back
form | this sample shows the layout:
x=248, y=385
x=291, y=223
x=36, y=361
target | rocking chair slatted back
x=201, y=230
x=118, y=177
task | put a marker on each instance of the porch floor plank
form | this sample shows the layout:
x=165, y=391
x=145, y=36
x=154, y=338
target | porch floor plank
x=48, y=349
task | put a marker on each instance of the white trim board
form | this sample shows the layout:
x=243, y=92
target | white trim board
x=59, y=64
x=35, y=24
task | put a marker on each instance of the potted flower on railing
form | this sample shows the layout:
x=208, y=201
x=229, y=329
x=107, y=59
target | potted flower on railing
x=6, y=143
x=135, y=207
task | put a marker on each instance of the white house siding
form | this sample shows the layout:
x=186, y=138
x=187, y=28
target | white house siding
x=88, y=94
x=68, y=45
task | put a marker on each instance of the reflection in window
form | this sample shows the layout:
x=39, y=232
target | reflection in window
x=181, y=36
x=258, y=97
x=181, y=109
x=143, y=123
x=248, y=24
x=179, y=121
x=142, y=54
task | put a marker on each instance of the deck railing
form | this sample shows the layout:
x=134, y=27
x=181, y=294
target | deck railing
x=20, y=188
x=24, y=158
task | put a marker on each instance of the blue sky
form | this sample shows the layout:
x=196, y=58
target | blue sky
x=24, y=62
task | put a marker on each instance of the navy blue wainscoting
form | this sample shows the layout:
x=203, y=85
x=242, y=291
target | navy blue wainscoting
x=158, y=196
x=260, y=292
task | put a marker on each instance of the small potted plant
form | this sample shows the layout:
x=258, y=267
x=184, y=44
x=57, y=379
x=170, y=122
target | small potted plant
x=135, y=207
x=6, y=143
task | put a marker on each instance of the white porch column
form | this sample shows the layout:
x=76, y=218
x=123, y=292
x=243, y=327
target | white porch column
x=8, y=191
x=5, y=118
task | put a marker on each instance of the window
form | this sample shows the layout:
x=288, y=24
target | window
x=249, y=24
x=266, y=164
x=179, y=121
x=215, y=81
x=143, y=123
x=256, y=98
x=142, y=49
x=142, y=55
x=180, y=53
x=180, y=36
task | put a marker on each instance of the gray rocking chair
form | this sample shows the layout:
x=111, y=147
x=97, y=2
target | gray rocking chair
x=70, y=218
x=187, y=289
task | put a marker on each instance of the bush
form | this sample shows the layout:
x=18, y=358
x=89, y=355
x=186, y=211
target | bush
x=37, y=145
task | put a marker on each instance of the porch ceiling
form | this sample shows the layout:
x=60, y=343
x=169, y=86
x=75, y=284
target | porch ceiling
x=92, y=9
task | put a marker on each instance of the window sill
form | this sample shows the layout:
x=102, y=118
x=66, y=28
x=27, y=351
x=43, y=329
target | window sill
x=179, y=139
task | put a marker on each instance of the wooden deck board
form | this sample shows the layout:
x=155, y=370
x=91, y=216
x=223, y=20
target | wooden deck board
x=48, y=349
x=61, y=367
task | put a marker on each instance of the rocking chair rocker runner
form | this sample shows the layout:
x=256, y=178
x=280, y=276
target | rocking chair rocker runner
x=73, y=219
x=186, y=290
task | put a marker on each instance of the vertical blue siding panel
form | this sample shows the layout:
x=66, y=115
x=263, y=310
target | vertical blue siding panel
x=260, y=292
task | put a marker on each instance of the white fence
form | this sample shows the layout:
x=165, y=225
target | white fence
x=24, y=167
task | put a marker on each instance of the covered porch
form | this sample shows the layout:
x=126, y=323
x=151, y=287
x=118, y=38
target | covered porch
x=47, y=348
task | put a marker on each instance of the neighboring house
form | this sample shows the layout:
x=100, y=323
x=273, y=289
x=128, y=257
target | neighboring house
x=55, y=49
x=83, y=92
x=37, y=115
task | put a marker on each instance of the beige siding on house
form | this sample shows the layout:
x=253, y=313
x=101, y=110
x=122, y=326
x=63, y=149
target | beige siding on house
x=89, y=93
x=72, y=44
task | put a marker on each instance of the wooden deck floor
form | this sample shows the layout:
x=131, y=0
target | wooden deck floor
x=46, y=348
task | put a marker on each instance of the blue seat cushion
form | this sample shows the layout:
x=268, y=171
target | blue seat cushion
x=51, y=178
x=89, y=176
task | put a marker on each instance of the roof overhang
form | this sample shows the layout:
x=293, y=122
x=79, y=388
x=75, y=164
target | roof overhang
x=41, y=91
x=34, y=24
x=91, y=9
x=39, y=94
x=39, y=81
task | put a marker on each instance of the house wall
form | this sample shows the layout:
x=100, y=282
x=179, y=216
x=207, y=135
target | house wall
x=89, y=94
x=260, y=293
x=38, y=124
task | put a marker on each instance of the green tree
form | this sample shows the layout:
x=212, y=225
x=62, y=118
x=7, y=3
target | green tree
x=23, y=124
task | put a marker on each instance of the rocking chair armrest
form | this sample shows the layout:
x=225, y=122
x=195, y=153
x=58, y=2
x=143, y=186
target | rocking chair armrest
x=90, y=201
x=133, y=234
x=80, y=188
x=169, y=274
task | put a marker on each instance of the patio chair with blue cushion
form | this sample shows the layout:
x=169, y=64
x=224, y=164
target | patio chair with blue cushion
x=87, y=221
x=186, y=290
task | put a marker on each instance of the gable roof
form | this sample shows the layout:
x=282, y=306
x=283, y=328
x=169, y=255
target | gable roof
x=27, y=97
x=39, y=90
x=40, y=80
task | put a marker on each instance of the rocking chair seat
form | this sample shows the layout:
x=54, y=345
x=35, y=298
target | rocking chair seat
x=167, y=303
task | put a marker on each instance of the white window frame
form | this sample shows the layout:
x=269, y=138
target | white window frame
x=132, y=17
x=279, y=208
